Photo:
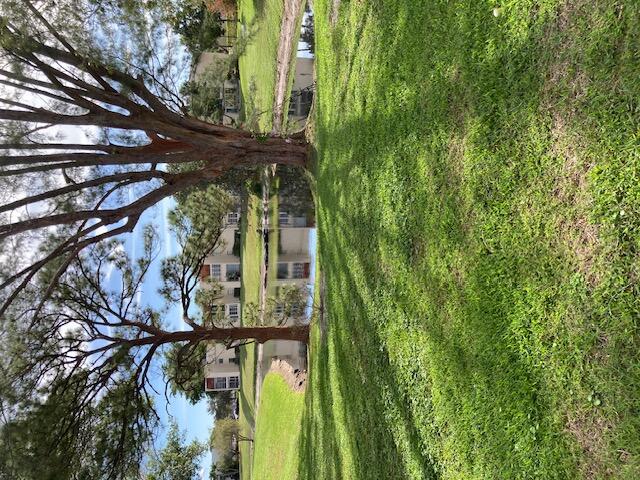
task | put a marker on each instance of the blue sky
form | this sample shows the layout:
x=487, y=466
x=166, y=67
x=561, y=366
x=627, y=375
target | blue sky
x=194, y=420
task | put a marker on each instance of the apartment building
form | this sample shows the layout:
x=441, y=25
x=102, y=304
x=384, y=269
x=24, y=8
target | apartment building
x=223, y=266
x=222, y=371
x=231, y=99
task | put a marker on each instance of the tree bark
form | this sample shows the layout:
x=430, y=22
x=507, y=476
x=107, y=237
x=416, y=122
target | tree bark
x=298, y=333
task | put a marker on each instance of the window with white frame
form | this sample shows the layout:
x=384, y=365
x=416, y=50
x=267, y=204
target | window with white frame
x=234, y=311
x=234, y=382
x=232, y=218
x=283, y=218
x=298, y=270
x=233, y=272
x=283, y=270
x=215, y=271
x=219, y=383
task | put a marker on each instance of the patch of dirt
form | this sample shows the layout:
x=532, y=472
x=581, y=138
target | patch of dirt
x=295, y=378
x=589, y=429
x=564, y=88
x=287, y=43
x=457, y=149
x=578, y=235
x=418, y=250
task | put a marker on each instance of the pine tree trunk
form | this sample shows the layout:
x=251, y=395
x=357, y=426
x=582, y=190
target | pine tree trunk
x=298, y=333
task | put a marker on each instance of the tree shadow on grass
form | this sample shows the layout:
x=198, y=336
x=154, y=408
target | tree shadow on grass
x=247, y=405
x=397, y=214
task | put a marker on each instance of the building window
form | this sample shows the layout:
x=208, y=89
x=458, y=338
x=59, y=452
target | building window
x=208, y=383
x=230, y=100
x=283, y=218
x=292, y=104
x=283, y=270
x=234, y=382
x=298, y=270
x=219, y=383
x=233, y=360
x=233, y=311
x=215, y=271
x=221, y=360
x=232, y=218
x=233, y=272
x=279, y=310
x=236, y=292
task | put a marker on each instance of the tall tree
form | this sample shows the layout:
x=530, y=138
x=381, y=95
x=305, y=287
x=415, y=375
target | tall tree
x=108, y=339
x=51, y=434
x=93, y=134
x=57, y=80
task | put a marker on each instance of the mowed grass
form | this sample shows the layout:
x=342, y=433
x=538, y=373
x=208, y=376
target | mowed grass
x=274, y=237
x=246, y=416
x=250, y=258
x=479, y=229
x=260, y=20
x=277, y=430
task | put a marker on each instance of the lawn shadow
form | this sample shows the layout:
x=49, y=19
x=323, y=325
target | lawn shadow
x=405, y=251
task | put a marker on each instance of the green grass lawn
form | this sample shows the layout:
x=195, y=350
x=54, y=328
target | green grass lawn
x=479, y=229
x=261, y=20
x=277, y=430
x=246, y=396
x=250, y=256
x=274, y=237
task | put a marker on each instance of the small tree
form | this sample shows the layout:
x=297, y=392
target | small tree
x=220, y=404
x=176, y=461
x=197, y=26
x=285, y=308
x=226, y=436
